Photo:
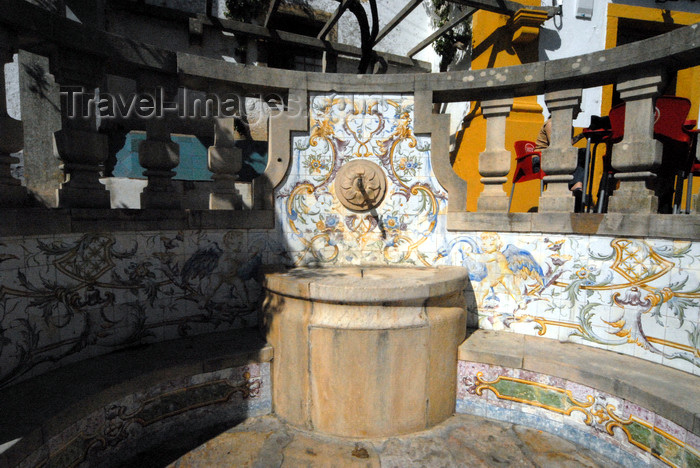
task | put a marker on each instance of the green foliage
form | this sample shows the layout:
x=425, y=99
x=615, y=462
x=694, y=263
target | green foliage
x=245, y=10
x=445, y=46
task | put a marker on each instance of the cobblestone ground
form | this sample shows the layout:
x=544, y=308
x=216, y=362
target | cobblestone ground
x=461, y=441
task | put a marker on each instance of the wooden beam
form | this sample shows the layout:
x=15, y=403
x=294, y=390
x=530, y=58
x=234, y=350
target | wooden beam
x=505, y=7
x=410, y=6
x=334, y=19
x=258, y=32
x=441, y=32
x=271, y=11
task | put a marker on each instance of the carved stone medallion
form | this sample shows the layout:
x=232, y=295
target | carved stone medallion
x=360, y=185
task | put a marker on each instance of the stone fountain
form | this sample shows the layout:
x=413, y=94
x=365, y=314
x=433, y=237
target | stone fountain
x=364, y=351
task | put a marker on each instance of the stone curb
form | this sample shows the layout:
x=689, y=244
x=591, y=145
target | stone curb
x=38, y=409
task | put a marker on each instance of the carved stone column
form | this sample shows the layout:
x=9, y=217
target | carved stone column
x=158, y=154
x=559, y=159
x=82, y=149
x=494, y=161
x=225, y=161
x=638, y=154
x=11, y=135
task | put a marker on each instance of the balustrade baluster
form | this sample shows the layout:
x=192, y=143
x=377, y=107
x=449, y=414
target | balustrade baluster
x=81, y=148
x=158, y=154
x=696, y=202
x=559, y=159
x=637, y=155
x=11, y=135
x=224, y=160
x=494, y=161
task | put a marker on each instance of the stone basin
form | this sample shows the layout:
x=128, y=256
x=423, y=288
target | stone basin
x=365, y=351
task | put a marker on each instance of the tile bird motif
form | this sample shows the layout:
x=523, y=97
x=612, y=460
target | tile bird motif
x=629, y=297
x=494, y=269
x=71, y=297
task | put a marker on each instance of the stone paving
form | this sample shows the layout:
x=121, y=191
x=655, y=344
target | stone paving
x=461, y=441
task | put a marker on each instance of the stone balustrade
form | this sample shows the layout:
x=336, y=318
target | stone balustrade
x=494, y=162
x=11, y=138
x=80, y=146
x=559, y=159
x=638, y=153
x=224, y=160
x=638, y=76
x=158, y=153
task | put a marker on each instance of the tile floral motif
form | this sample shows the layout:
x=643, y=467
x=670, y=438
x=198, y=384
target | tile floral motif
x=613, y=293
x=377, y=129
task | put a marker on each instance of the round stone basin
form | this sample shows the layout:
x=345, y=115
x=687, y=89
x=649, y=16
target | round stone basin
x=365, y=351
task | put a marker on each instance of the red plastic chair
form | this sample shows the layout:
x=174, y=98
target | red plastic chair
x=670, y=113
x=670, y=127
x=527, y=165
x=617, y=123
x=617, y=132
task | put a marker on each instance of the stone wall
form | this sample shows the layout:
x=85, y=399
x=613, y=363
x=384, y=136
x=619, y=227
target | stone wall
x=154, y=420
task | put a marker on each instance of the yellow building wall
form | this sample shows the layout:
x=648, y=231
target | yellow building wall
x=492, y=47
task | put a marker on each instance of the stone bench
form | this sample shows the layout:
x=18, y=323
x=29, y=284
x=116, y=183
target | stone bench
x=600, y=398
x=168, y=396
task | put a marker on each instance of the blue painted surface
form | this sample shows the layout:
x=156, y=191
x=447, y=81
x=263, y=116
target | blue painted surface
x=193, y=158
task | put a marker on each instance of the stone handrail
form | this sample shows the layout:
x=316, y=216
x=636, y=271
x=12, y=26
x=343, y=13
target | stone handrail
x=81, y=55
x=671, y=51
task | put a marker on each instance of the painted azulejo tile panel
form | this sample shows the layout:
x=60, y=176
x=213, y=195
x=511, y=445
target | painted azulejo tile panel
x=528, y=397
x=72, y=297
x=376, y=128
x=627, y=295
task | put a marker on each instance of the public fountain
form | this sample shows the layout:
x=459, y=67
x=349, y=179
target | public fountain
x=363, y=350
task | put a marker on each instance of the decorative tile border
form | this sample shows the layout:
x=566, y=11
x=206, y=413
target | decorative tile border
x=143, y=420
x=503, y=393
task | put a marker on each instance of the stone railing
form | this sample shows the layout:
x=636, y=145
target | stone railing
x=82, y=56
